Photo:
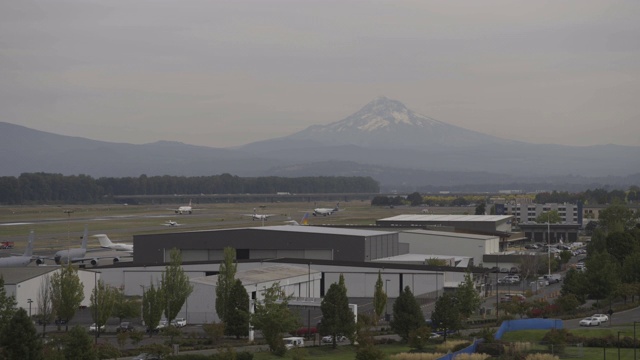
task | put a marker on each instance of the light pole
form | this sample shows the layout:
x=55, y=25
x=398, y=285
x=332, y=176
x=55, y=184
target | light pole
x=29, y=301
x=549, y=240
x=619, y=344
x=635, y=344
x=386, y=307
x=95, y=294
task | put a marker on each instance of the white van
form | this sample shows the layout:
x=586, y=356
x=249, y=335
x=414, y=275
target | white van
x=553, y=278
x=294, y=341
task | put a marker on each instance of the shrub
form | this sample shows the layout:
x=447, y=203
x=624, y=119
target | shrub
x=453, y=345
x=540, y=356
x=475, y=356
x=416, y=356
x=556, y=339
x=495, y=349
x=369, y=353
x=244, y=355
x=298, y=353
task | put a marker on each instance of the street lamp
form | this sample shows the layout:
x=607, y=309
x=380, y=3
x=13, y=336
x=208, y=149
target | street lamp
x=549, y=240
x=29, y=301
x=635, y=344
x=386, y=292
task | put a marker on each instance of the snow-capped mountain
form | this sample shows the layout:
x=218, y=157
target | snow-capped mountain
x=386, y=123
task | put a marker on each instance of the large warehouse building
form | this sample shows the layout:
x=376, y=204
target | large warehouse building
x=450, y=243
x=301, y=242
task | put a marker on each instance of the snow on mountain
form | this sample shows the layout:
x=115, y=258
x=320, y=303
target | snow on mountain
x=386, y=123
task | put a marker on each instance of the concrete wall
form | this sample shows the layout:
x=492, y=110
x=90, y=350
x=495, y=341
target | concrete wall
x=449, y=245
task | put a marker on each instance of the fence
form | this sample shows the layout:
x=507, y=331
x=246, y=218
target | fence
x=528, y=324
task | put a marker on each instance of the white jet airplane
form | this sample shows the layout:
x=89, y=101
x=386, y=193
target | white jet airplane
x=303, y=222
x=326, y=211
x=185, y=209
x=256, y=216
x=106, y=243
x=171, y=223
x=77, y=254
x=20, y=260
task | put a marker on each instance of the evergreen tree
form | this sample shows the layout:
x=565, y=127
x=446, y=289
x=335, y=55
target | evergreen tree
x=226, y=281
x=152, y=307
x=446, y=316
x=602, y=275
x=337, y=317
x=67, y=293
x=468, y=298
x=102, y=302
x=78, y=345
x=574, y=283
x=237, y=322
x=23, y=341
x=407, y=315
x=379, y=299
x=481, y=208
x=7, y=306
x=176, y=287
x=273, y=318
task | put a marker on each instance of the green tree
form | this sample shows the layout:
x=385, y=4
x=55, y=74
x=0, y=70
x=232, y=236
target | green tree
x=415, y=198
x=601, y=275
x=176, y=287
x=237, y=323
x=125, y=307
x=23, y=341
x=67, y=293
x=45, y=310
x=621, y=244
x=78, y=345
x=445, y=316
x=102, y=302
x=568, y=303
x=152, y=307
x=468, y=298
x=481, y=208
x=436, y=262
x=226, y=280
x=337, y=317
x=273, y=318
x=379, y=299
x=631, y=268
x=7, y=306
x=407, y=316
x=617, y=217
x=575, y=283
x=552, y=217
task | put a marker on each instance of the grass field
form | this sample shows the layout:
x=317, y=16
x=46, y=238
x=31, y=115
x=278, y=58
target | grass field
x=340, y=353
x=58, y=227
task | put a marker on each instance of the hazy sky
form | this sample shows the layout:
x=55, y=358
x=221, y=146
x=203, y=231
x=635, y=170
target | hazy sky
x=224, y=73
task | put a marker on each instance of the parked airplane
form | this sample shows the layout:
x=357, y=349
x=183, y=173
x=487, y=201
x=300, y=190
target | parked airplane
x=304, y=221
x=326, y=211
x=20, y=260
x=171, y=223
x=184, y=209
x=106, y=243
x=256, y=216
x=76, y=254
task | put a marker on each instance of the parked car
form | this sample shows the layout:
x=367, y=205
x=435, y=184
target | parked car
x=553, y=278
x=61, y=321
x=145, y=356
x=511, y=297
x=531, y=246
x=329, y=339
x=179, y=322
x=601, y=317
x=125, y=326
x=590, y=321
x=94, y=328
x=434, y=335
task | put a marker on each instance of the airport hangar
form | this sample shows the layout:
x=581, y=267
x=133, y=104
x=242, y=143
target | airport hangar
x=307, y=280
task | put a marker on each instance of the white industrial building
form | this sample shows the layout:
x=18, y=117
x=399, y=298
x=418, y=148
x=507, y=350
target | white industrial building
x=25, y=283
x=441, y=242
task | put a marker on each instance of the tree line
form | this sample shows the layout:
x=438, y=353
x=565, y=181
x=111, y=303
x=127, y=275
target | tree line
x=52, y=188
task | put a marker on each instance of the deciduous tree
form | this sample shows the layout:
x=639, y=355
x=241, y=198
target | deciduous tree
x=7, y=306
x=152, y=307
x=78, y=345
x=552, y=217
x=45, y=310
x=226, y=280
x=273, y=318
x=468, y=298
x=176, y=287
x=379, y=299
x=67, y=293
x=23, y=341
x=102, y=301
x=445, y=316
x=237, y=322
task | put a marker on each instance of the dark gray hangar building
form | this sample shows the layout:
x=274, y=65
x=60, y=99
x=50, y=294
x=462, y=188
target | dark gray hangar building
x=268, y=242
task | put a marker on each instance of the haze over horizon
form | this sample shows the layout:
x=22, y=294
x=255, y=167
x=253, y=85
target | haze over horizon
x=225, y=74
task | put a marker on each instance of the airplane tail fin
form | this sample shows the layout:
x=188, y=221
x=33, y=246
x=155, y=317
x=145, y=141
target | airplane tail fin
x=29, y=250
x=337, y=208
x=305, y=219
x=104, y=240
x=189, y=202
x=85, y=237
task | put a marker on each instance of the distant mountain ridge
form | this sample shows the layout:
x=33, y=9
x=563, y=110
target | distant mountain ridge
x=383, y=139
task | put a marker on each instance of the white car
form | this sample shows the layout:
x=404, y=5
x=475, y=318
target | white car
x=590, y=321
x=601, y=317
x=329, y=339
x=94, y=327
x=179, y=322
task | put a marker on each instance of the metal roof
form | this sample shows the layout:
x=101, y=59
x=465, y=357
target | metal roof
x=452, y=234
x=324, y=230
x=272, y=272
x=436, y=218
x=16, y=275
